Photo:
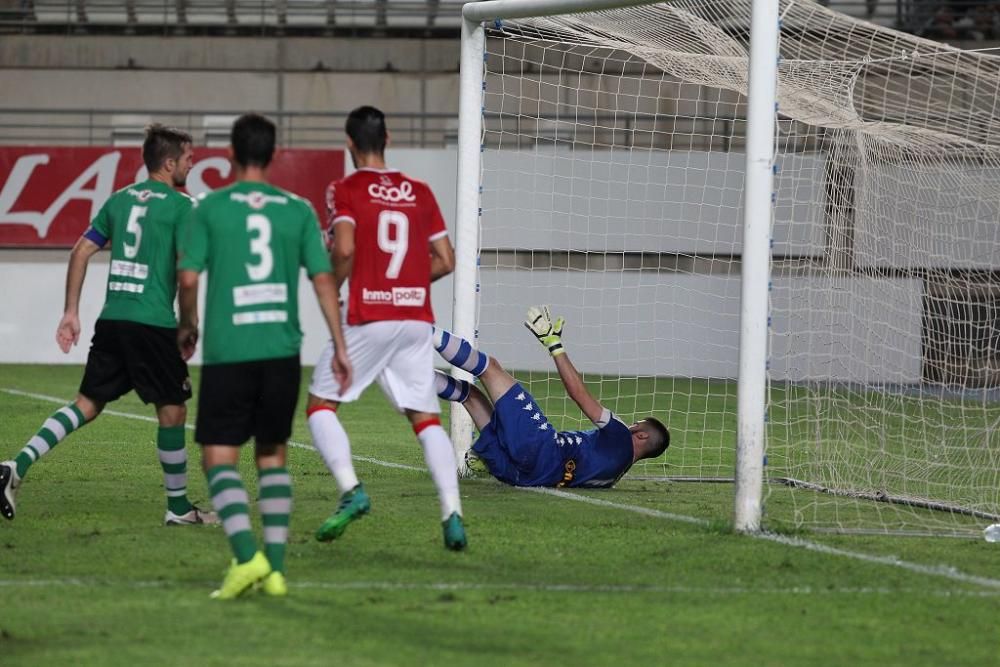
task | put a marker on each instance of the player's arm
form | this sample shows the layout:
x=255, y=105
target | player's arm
x=549, y=334
x=187, y=301
x=577, y=390
x=192, y=257
x=327, y=293
x=341, y=217
x=442, y=257
x=68, y=331
x=326, y=284
x=342, y=251
x=442, y=252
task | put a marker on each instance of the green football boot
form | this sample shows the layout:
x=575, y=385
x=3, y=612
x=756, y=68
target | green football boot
x=242, y=576
x=353, y=505
x=454, y=532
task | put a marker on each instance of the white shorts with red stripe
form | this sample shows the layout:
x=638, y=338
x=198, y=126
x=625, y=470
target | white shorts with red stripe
x=398, y=354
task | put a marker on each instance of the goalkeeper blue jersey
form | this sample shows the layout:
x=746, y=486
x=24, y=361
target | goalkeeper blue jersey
x=520, y=447
x=596, y=458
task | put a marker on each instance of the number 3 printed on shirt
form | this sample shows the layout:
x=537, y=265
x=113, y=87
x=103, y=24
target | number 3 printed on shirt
x=394, y=244
x=260, y=246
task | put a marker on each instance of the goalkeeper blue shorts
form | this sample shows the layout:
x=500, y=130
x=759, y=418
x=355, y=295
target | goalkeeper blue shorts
x=519, y=446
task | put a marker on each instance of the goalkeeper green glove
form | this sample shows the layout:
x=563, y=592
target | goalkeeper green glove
x=548, y=333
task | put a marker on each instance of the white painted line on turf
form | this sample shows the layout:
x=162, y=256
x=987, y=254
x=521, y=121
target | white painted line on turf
x=590, y=500
x=945, y=571
x=938, y=571
x=147, y=418
x=933, y=570
x=506, y=586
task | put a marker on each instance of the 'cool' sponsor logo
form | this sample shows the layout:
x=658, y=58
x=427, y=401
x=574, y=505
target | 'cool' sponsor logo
x=391, y=193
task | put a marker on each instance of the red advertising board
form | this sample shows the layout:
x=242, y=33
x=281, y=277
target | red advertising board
x=48, y=195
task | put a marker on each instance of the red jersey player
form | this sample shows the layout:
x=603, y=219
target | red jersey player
x=390, y=240
x=393, y=218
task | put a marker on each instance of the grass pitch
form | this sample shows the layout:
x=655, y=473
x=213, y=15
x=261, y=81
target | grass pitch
x=646, y=573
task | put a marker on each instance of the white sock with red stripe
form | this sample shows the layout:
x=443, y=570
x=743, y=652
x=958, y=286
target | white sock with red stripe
x=440, y=457
x=331, y=440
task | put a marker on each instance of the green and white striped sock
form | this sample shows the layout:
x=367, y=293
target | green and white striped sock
x=173, y=460
x=60, y=423
x=229, y=497
x=275, y=511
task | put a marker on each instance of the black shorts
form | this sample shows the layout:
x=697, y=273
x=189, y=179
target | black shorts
x=128, y=355
x=249, y=398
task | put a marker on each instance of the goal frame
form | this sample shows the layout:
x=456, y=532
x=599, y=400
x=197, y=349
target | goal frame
x=757, y=220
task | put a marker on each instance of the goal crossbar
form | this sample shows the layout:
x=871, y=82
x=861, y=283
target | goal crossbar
x=517, y=9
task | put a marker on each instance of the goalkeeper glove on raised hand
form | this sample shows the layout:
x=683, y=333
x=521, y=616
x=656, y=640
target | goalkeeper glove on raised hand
x=548, y=333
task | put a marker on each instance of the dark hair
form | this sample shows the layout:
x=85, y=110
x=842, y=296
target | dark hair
x=661, y=430
x=366, y=128
x=253, y=138
x=162, y=144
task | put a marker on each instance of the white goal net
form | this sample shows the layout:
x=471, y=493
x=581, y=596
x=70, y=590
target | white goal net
x=612, y=183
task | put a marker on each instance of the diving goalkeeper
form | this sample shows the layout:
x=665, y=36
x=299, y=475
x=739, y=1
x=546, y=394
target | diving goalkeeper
x=517, y=443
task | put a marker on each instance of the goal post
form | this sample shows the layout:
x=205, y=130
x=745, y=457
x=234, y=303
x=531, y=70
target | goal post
x=784, y=243
x=470, y=124
x=756, y=264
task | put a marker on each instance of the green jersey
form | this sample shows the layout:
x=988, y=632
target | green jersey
x=252, y=238
x=141, y=221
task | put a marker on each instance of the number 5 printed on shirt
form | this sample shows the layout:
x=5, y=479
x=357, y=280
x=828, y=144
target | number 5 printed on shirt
x=133, y=228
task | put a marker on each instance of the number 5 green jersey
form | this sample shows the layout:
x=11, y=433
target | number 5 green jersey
x=252, y=238
x=141, y=221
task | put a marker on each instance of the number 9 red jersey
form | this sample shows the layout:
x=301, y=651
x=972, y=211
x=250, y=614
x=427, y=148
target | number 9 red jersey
x=395, y=220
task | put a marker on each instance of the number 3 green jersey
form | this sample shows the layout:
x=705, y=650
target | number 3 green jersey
x=141, y=221
x=252, y=238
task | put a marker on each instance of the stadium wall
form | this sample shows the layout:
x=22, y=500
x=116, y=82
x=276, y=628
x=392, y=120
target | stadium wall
x=263, y=54
x=160, y=91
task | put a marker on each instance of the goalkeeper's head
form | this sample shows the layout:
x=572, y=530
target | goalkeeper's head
x=650, y=438
x=366, y=131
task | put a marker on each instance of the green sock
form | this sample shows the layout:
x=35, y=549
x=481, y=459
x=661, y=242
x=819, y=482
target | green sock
x=60, y=423
x=173, y=460
x=275, y=510
x=229, y=497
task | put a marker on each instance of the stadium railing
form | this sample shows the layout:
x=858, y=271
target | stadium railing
x=938, y=19
x=124, y=127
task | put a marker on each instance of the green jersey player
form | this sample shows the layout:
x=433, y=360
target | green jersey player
x=253, y=239
x=134, y=338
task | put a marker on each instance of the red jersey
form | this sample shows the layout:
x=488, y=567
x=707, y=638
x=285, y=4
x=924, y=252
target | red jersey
x=395, y=219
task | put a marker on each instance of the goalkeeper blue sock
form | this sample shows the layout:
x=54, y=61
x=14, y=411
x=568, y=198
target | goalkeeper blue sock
x=451, y=389
x=459, y=352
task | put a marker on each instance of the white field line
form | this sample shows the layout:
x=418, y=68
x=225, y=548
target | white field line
x=945, y=571
x=147, y=418
x=600, y=502
x=721, y=591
